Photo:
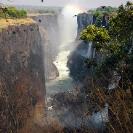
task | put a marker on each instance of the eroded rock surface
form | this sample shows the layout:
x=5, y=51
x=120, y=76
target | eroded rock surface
x=50, y=23
x=22, y=80
x=51, y=71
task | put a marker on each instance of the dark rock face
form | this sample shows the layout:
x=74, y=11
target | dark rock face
x=76, y=59
x=22, y=80
x=75, y=63
x=70, y=99
x=83, y=20
x=104, y=22
x=77, y=56
x=50, y=23
x=51, y=71
x=50, y=37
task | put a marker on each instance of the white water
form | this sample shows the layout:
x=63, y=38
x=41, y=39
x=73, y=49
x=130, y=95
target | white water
x=68, y=28
x=64, y=82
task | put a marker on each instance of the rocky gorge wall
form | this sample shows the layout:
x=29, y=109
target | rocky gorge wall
x=84, y=50
x=22, y=80
x=50, y=33
x=50, y=23
x=51, y=71
x=83, y=20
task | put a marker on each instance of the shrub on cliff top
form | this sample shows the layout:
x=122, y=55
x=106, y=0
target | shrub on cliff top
x=12, y=12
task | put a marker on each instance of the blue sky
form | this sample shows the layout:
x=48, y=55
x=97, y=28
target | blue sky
x=84, y=3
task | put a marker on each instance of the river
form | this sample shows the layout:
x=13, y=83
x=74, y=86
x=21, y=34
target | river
x=69, y=116
x=74, y=116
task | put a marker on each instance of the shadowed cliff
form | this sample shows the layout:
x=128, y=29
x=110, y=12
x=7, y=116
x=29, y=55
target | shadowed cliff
x=51, y=71
x=50, y=23
x=22, y=80
x=50, y=34
x=84, y=50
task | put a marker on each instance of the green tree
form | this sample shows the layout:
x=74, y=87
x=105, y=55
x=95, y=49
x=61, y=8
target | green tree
x=23, y=13
x=12, y=12
x=117, y=43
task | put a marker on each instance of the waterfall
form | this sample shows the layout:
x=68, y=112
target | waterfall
x=90, y=52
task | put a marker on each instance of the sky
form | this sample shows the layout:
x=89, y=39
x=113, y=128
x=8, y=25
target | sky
x=62, y=3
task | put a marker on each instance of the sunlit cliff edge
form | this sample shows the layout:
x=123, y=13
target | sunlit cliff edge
x=4, y=23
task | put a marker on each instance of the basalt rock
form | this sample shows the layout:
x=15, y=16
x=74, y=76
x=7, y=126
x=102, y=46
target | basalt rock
x=77, y=69
x=51, y=71
x=83, y=20
x=50, y=23
x=22, y=80
x=83, y=49
x=50, y=34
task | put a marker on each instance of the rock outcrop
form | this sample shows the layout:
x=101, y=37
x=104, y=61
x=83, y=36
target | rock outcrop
x=51, y=71
x=104, y=21
x=75, y=63
x=50, y=34
x=83, y=20
x=50, y=23
x=22, y=80
x=84, y=50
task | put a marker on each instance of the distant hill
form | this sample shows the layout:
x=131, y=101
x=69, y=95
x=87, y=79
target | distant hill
x=39, y=9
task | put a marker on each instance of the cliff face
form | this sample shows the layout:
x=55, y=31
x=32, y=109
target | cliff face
x=84, y=50
x=83, y=20
x=51, y=71
x=22, y=81
x=103, y=22
x=76, y=59
x=50, y=23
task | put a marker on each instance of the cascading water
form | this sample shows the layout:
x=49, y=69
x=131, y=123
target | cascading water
x=68, y=27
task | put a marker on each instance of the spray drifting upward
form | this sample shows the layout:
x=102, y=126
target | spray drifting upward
x=69, y=23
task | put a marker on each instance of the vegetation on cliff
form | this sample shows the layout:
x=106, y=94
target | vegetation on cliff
x=102, y=11
x=117, y=45
x=11, y=16
x=12, y=12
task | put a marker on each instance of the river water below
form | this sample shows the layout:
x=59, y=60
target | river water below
x=76, y=115
x=63, y=82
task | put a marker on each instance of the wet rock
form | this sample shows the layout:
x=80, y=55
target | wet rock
x=51, y=71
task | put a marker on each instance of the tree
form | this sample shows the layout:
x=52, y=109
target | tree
x=14, y=13
x=117, y=43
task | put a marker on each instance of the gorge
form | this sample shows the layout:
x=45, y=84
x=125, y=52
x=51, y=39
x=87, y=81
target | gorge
x=52, y=82
x=31, y=57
